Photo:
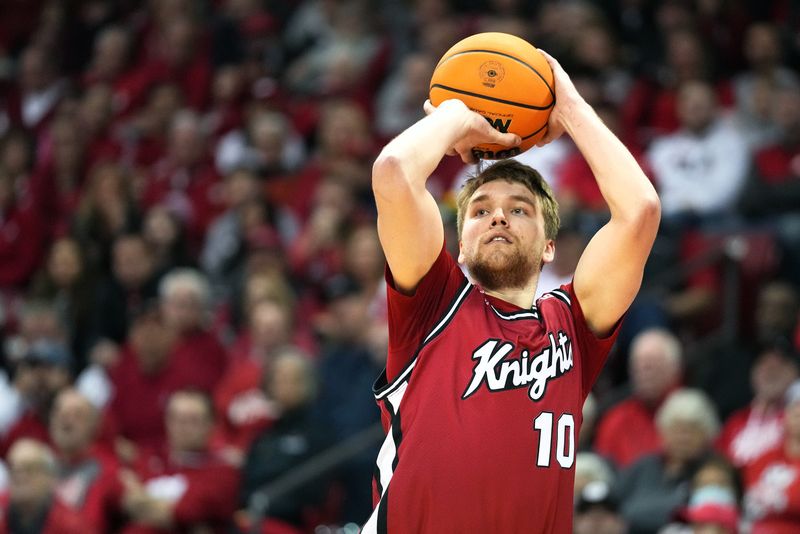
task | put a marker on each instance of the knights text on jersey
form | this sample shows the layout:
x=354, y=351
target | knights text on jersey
x=482, y=420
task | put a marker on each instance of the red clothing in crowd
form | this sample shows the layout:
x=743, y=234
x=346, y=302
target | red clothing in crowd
x=28, y=425
x=194, y=194
x=203, y=488
x=243, y=408
x=627, y=432
x=91, y=487
x=60, y=520
x=772, y=493
x=749, y=433
x=196, y=362
x=21, y=243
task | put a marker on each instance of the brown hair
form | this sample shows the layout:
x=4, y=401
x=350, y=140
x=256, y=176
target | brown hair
x=515, y=172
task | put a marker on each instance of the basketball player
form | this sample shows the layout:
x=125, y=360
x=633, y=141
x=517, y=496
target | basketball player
x=483, y=388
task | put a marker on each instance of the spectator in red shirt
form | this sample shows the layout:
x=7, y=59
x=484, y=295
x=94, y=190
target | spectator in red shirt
x=32, y=103
x=31, y=504
x=189, y=489
x=628, y=430
x=185, y=180
x=21, y=235
x=239, y=397
x=88, y=474
x=751, y=431
x=185, y=302
x=772, y=483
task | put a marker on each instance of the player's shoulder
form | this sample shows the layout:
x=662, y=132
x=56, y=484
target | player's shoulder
x=561, y=296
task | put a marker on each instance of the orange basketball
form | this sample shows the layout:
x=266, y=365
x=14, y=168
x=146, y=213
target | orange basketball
x=505, y=79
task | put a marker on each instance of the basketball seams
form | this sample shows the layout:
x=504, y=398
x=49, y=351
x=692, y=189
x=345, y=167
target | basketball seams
x=491, y=98
x=509, y=56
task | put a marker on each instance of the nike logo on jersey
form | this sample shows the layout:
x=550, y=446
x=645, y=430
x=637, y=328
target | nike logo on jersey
x=500, y=374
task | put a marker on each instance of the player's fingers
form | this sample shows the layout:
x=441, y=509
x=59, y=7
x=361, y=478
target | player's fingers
x=428, y=107
x=506, y=139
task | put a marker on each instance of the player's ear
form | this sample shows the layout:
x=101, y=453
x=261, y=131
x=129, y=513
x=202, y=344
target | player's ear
x=461, y=252
x=549, y=252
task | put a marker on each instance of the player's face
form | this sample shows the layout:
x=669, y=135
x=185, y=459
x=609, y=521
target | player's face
x=503, y=242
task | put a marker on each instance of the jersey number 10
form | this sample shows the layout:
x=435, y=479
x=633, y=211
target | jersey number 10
x=565, y=439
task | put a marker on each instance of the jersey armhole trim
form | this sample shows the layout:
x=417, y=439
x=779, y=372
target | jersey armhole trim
x=562, y=295
x=381, y=388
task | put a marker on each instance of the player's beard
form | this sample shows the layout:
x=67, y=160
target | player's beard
x=495, y=270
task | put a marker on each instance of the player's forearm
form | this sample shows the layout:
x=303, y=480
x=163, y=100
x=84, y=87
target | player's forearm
x=625, y=187
x=414, y=154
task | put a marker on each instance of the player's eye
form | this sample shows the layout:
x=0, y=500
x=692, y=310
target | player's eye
x=481, y=212
x=518, y=211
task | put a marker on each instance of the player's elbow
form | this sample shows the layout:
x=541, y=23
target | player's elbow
x=648, y=213
x=389, y=180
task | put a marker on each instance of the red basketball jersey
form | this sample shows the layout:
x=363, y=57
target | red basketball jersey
x=482, y=409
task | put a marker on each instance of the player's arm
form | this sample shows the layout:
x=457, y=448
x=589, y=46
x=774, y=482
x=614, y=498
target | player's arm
x=609, y=273
x=409, y=225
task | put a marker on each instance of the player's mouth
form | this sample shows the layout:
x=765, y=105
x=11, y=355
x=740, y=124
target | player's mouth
x=498, y=238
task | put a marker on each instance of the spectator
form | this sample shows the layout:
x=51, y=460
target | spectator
x=296, y=436
x=39, y=375
x=185, y=180
x=187, y=488
x=166, y=238
x=571, y=241
x=132, y=284
x=591, y=468
x=32, y=503
x=67, y=283
x=107, y=210
x=87, y=472
x=629, y=431
x=772, y=487
x=22, y=236
x=597, y=512
x=244, y=408
x=706, y=150
x=31, y=104
x=398, y=103
x=753, y=430
x=653, y=488
x=721, y=367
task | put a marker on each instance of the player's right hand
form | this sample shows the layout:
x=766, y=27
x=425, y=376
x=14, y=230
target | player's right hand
x=475, y=129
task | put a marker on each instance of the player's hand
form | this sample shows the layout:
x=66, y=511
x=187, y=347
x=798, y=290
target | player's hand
x=475, y=129
x=566, y=97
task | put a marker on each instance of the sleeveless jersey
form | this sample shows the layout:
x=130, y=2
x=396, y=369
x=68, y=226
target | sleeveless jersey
x=482, y=407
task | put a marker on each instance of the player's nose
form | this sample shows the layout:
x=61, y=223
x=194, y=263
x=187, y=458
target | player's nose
x=499, y=218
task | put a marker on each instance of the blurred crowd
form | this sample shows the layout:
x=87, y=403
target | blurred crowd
x=192, y=295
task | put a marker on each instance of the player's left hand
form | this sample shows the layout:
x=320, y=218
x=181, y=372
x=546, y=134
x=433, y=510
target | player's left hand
x=567, y=96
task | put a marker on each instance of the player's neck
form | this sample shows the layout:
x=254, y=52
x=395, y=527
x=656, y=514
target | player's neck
x=520, y=297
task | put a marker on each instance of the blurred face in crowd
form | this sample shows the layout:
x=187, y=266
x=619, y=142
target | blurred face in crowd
x=290, y=381
x=68, y=149
x=241, y=186
x=38, y=382
x=183, y=309
x=595, y=48
x=189, y=421
x=364, y=256
x=132, y=261
x=417, y=71
x=598, y=520
x=786, y=112
x=31, y=473
x=776, y=311
x=762, y=46
x=65, y=263
x=96, y=108
x=35, y=72
x=110, y=53
x=161, y=229
x=178, y=41
x=270, y=325
x=16, y=156
x=654, y=371
x=73, y=422
x=151, y=342
x=186, y=142
x=684, y=439
x=697, y=106
x=771, y=375
x=227, y=84
x=268, y=132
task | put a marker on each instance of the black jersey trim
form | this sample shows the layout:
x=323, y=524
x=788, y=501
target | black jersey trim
x=397, y=432
x=382, y=388
x=562, y=295
x=383, y=514
x=533, y=313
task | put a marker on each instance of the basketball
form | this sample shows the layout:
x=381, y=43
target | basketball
x=505, y=79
